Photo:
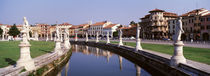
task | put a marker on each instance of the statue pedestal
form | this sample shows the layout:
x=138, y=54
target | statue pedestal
x=138, y=44
x=86, y=40
x=97, y=40
x=178, y=56
x=108, y=41
x=120, y=43
x=3, y=37
x=58, y=47
x=36, y=39
x=66, y=44
x=25, y=57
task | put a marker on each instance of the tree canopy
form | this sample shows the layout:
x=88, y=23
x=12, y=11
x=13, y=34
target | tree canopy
x=1, y=31
x=13, y=31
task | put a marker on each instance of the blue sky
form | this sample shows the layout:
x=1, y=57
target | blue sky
x=81, y=11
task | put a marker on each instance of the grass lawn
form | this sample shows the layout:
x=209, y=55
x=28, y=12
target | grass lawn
x=10, y=51
x=195, y=54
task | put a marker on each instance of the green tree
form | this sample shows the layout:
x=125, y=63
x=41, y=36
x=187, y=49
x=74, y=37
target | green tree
x=1, y=31
x=132, y=23
x=115, y=34
x=30, y=33
x=13, y=31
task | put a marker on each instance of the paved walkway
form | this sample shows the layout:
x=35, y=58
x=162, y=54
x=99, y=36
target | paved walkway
x=188, y=44
x=191, y=63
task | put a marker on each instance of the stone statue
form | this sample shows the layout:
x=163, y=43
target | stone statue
x=120, y=38
x=25, y=21
x=178, y=30
x=26, y=27
x=178, y=56
x=120, y=33
x=57, y=32
x=67, y=32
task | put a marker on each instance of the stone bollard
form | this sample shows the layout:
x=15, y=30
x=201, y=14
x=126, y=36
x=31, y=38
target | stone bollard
x=51, y=36
x=76, y=37
x=3, y=37
x=86, y=40
x=58, y=47
x=25, y=57
x=107, y=37
x=178, y=56
x=120, y=38
x=97, y=38
x=138, y=40
x=66, y=42
x=47, y=38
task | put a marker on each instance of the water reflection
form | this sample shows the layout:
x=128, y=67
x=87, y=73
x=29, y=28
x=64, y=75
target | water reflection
x=91, y=61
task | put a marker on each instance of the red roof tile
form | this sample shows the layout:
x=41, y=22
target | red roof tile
x=168, y=14
x=207, y=14
x=74, y=27
x=192, y=12
x=156, y=10
x=99, y=23
x=110, y=26
x=64, y=24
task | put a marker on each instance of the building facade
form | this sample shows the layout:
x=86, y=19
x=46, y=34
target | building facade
x=43, y=30
x=155, y=24
x=82, y=29
x=111, y=29
x=195, y=25
x=97, y=27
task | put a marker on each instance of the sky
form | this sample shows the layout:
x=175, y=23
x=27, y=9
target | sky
x=81, y=11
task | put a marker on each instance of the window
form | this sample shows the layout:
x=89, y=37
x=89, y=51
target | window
x=191, y=29
x=202, y=19
x=208, y=27
x=202, y=27
x=208, y=19
x=173, y=22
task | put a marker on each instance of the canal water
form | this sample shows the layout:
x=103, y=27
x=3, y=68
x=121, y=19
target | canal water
x=91, y=61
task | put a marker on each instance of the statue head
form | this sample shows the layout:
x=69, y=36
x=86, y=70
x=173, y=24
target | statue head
x=180, y=18
x=24, y=18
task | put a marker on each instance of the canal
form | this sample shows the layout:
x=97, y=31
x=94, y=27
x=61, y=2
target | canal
x=91, y=61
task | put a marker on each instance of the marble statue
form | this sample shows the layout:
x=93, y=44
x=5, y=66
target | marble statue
x=178, y=56
x=107, y=37
x=120, y=38
x=138, y=40
x=25, y=21
x=25, y=57
x=4, y=32
x=86, y=40
x=57, y=32
x=26, y=27
x=178, y=30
